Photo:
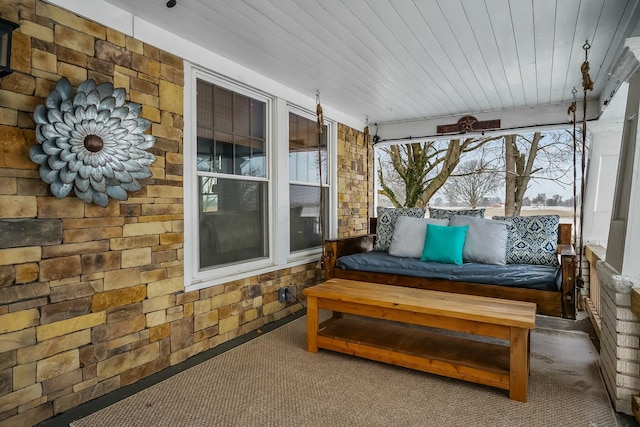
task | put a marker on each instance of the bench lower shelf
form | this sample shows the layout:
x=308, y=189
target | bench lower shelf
x=417, y=348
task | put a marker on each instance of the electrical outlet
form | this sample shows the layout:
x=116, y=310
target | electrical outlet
x=287, y=294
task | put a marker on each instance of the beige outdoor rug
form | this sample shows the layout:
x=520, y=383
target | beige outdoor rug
x=273, y=381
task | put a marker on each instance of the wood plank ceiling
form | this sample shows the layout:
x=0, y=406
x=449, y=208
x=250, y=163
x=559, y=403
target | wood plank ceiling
x=397, y=60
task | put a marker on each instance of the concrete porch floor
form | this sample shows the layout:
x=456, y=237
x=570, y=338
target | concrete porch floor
x=584, y=324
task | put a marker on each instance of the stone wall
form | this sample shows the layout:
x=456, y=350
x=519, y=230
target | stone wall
x=355, y=185
x=92, y=299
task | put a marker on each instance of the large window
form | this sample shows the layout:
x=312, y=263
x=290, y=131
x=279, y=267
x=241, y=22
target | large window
x=253, y=166
x=307, y=162
x=232, y=177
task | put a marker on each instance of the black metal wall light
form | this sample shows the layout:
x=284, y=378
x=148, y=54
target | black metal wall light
x=6, y=30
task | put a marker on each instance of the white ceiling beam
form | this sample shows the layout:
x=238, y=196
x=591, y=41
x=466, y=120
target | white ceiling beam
x=519, y=120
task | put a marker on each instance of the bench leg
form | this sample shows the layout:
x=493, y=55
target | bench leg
x=312, y=324
x=529, y=352
x=519, y=364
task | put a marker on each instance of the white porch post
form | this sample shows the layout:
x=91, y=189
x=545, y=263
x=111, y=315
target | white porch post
x=604, y=151
x=601, y=177
x=620, y=271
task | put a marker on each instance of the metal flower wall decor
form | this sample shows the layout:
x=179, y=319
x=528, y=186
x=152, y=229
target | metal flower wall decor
x=91, y=142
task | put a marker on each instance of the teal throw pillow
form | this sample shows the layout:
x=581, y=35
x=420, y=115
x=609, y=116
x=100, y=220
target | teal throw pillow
x=444, y=244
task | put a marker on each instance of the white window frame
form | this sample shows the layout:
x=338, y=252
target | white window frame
x=330, y=176
x=277, y=175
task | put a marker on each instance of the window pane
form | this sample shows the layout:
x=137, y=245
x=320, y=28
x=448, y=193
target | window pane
x=205, y=105
x=241, y=115
x=205, y=159
x=231, y=130
x=257, y=119
x=223, y=109
x=305, y=232
x=223, y=153
x=303, y=150
x=259, y=157
x=233, y=221
x=249, y=157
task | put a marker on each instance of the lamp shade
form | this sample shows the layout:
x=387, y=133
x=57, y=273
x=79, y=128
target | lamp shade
x=6, y=30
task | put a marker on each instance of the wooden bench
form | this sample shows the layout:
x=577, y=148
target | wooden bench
x=560, y=303
x=453, y=355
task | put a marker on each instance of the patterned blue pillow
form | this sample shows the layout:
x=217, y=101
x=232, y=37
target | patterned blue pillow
x=448, y=213
x=532, y=239
x=386, y=222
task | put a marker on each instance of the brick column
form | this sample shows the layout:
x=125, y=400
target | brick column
x=620, y=338
x=620, y=271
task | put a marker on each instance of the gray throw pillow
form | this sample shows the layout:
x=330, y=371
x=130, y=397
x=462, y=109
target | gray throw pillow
x=448, y=213
x=486, y=241
x=409, y=235
x=386, y=221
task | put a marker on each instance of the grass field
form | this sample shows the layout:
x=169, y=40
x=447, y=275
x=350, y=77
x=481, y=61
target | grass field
x=566, y=214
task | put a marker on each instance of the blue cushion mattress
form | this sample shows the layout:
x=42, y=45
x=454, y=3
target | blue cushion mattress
x=541, y=277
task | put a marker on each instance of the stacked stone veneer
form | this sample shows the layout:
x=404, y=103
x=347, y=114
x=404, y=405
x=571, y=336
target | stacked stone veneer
x=619, y=338
x=355, y=188
x=92, y=299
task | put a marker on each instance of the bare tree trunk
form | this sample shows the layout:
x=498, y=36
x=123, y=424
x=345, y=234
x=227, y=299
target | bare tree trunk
x=510, y=151
x=474, y=199
x=525, y=170
x=519, y=170
x=451, y=160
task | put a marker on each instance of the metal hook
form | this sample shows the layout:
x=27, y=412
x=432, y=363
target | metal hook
x=376, y=138
x=366, y=120
x=317, y=96
x=573, y=92
x=586, y=46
